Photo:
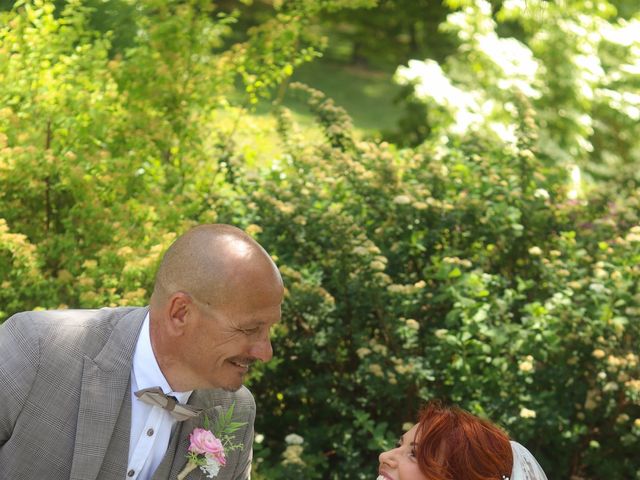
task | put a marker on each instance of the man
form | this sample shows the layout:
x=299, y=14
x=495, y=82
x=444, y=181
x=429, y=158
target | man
x=72, y=402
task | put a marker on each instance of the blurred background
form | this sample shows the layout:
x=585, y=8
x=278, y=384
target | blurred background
x=450, y=189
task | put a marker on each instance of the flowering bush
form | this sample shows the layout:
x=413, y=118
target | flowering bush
x=467, y=268
x=576, y=62
x=461, y=270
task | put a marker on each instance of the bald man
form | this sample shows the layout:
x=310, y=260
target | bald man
x=102, y=394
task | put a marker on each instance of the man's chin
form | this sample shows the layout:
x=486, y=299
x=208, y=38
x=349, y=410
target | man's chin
x=231, y=386
x=232, y=389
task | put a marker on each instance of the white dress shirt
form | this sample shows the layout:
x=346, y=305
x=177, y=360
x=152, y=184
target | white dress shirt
x=150, y=425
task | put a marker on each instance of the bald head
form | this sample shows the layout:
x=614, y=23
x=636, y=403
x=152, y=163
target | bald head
x=209, y=261
x=217, y=296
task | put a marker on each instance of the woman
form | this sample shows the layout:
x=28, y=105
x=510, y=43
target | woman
x=448, y=443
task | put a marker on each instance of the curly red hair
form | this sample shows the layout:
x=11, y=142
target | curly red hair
x=452, y=444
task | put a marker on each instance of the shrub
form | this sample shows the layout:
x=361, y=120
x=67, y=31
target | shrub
x=457, y=270
x=575, y=61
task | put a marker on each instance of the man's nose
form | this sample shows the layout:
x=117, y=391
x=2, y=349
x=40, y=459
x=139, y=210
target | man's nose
x=262, y=350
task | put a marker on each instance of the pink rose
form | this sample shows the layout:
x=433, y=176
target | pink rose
x=205, y=442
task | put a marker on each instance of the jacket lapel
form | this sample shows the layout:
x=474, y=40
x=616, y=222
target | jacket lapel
x=105, y=389
x=175, y=459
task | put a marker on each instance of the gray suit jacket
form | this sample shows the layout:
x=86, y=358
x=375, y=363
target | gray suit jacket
x=65, y=400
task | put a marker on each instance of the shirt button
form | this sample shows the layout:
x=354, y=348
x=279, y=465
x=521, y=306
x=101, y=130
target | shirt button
x=150, y=432
x=131, y=473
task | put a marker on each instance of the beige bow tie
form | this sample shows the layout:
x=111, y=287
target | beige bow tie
x=156, y=397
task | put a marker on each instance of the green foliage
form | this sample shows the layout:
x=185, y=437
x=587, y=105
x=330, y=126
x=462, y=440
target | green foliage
x=457, y=270
x=460, y=268
x=98, y=147
x=577, y=62
x=224, y=429
x=388, y=33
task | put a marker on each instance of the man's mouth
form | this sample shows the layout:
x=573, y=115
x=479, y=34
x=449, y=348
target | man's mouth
x=243, y=364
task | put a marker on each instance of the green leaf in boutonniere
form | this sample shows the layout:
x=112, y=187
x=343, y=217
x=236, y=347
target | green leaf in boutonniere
x=225, y=428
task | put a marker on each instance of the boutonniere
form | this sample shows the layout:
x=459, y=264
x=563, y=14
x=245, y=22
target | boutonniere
x=208, y=448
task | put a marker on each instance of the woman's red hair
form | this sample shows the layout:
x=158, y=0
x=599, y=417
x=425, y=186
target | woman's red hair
x=452, y=444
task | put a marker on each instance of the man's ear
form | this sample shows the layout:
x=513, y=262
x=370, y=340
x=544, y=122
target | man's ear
x=180, y=308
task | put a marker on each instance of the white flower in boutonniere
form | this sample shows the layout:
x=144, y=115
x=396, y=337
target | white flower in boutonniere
x=208, y=449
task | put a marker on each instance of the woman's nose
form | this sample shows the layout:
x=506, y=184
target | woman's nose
x=387, y=458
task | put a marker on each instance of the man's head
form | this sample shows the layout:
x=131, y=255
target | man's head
x=217, y=295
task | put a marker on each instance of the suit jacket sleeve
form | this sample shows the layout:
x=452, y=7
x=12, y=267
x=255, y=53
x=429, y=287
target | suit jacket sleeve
x=19, y=357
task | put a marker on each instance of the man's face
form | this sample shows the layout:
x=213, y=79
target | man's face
x=223, y=341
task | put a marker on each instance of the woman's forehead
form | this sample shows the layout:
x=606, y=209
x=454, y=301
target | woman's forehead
x=410, y=435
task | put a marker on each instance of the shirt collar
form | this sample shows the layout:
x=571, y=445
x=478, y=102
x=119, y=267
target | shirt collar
x=146, y=370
